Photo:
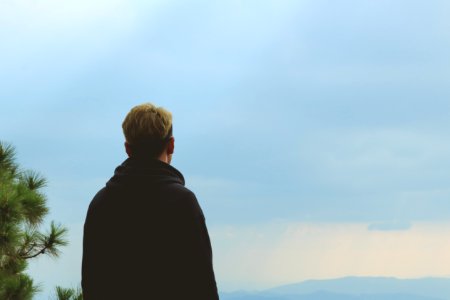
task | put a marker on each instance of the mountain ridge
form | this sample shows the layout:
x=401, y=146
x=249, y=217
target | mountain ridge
x=353, y=288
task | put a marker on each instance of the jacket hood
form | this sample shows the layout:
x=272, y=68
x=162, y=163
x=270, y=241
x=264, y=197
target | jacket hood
x=145, y=171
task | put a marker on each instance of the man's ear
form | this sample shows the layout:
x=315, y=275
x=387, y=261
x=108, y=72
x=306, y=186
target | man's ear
x=171, y=145
x=128, y=149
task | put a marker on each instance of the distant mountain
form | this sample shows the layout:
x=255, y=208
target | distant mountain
x=353, y=288
x=325, y=296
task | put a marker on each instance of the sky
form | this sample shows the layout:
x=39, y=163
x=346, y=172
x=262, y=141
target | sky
x=314, y=133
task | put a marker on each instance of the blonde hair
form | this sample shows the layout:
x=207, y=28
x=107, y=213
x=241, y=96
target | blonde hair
x=146, y=121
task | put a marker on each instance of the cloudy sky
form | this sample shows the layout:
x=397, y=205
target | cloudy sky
x=314, y=133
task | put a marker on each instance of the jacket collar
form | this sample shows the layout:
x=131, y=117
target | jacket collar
x=149, y=170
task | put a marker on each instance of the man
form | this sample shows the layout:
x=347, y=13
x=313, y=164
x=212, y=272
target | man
x=145, y=235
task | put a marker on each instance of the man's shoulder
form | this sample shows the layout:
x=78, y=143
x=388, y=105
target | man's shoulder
x=178, y=189
x=184, y=199
x=98, y=200
x=174, y=196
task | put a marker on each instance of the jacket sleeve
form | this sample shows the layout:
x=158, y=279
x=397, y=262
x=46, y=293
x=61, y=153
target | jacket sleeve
x=198, y=253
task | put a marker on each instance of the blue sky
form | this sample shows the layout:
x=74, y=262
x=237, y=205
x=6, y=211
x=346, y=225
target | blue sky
x=287, y=114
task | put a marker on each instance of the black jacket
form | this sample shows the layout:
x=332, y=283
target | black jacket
x=145, y=238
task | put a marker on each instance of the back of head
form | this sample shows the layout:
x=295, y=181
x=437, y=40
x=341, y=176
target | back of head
x=147, y=130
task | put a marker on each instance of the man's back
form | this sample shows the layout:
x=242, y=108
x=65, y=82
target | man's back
x=145, y=238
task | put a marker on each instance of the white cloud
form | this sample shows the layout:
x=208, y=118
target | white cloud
x=35, y=16
x=56, y=39
x=35, y=29
x=373, y=158
x=261, y=256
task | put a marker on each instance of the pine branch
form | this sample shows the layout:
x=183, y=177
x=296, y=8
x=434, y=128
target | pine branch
x=68, y=293
x=33, y=180
x=47, y=244
x=34, y=207
x=7, y=157
x=64, y=294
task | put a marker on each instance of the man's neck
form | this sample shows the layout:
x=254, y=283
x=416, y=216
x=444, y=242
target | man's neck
x=164, y=158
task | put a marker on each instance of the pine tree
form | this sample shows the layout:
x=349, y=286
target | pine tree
x=68, y=294
x=22, y=211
